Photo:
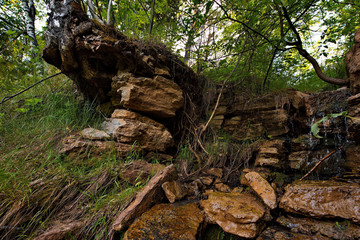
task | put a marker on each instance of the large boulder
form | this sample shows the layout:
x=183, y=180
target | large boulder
x=167, y=221
x=323, y=199
x=236, y=213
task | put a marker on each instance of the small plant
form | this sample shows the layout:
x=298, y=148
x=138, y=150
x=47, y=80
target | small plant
x=315, y=127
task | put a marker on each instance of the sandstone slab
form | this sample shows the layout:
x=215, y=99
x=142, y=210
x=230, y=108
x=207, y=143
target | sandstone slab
x=236, y=213
x=167, y=221
x=323, y=199
x=151, y=194
x=77, y=144
x=158, y=97
x=262, y=188
x=94, y=134
x=143, y=131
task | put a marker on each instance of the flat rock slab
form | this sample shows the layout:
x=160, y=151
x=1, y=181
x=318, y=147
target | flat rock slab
x=262, y=188
x=133, y=128
x=167, y=221
x=151, y=194
x=235, y=213
x=323, y=199
x=158, y=97
x=94, y=134
x=76, y=144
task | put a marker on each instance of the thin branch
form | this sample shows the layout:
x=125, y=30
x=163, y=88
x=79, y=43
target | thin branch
x=322, y=160
x=5, y=99
x=299, y=47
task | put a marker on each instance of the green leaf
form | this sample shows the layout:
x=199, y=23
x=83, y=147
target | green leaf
x=315, y=127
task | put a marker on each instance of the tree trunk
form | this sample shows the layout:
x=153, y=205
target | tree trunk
x=30, y=13
x=152, y=16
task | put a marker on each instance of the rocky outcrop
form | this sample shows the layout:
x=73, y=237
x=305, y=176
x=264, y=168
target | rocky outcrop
x=151, y=194
x=167, y=221
x=120, y=72
x=328, y=199
x=236, y=213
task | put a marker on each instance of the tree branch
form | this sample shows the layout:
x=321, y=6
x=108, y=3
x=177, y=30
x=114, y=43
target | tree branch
x=299, y=47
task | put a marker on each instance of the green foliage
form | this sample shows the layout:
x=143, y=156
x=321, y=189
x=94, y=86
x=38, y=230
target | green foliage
x=315, y=127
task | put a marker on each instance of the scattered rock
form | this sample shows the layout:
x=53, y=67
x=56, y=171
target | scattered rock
x=143, y=131
x=158, y=97
x=222, y=187
x=174, y=190
x=235, y=213
x=323, y=199
x=94, y=134
x=206, y=180
x=139, y=171
x=343, y=230
x=167, y=221
x=151, y=194
x=262, y=188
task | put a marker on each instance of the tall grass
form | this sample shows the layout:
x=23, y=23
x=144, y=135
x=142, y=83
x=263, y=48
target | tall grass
x=38, y=185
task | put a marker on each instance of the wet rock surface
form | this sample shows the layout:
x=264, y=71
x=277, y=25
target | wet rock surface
x=262, y=188
x=167, y=221
x=332, y=229
x=236, y=213
x=328, y=199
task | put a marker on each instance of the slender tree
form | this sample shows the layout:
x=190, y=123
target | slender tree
x=30, y=13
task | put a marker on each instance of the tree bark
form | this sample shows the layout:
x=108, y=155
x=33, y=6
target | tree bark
x=30, y=13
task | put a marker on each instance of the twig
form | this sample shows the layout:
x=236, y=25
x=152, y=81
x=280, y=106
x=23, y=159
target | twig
x=5, y=99
x=322, y=160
